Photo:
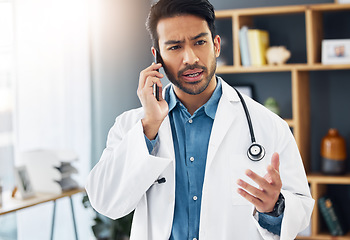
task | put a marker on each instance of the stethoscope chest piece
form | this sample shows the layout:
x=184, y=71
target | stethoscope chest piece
x=256, y=152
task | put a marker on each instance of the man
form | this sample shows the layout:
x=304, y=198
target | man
x=181, y=162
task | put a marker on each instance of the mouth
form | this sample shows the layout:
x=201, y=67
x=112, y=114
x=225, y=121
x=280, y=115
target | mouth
x=192, y=75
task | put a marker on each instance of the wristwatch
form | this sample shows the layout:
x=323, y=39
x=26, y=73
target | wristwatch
x=278, y=209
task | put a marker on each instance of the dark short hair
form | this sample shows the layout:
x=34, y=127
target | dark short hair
x=170, y=8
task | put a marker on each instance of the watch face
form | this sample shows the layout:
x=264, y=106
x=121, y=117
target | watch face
x=280, y=205
x=278, y=208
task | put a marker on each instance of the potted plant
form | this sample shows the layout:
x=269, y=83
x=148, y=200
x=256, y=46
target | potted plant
x=108, y=229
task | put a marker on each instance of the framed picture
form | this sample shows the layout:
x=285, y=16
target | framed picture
x=24, y=185
x=342, y=1
x=245, y=89
x=336, y=51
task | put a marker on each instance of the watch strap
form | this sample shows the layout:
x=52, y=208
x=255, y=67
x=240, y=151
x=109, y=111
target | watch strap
x=278, y=209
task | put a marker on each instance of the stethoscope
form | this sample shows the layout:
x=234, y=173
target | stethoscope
x=256, y=151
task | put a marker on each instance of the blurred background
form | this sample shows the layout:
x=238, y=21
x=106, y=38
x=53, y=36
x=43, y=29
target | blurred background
x=67, y=69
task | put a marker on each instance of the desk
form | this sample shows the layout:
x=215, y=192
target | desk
x=14, y=204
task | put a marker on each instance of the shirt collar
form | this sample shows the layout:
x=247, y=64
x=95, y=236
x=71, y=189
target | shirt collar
x=209, y=107
x=171, y=98
x=212, y=104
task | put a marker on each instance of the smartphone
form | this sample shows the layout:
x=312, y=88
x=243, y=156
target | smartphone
x=155, y=86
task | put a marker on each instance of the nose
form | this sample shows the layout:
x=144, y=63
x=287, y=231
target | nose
x=189, y=56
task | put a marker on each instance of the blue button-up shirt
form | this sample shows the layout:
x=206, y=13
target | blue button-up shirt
x=191, y=136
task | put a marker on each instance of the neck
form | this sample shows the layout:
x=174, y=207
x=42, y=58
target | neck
x=193, y=102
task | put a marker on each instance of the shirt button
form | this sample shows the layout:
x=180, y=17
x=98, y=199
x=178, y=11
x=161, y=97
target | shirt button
x=191, y=159
x=195, y=198
x=190, y=121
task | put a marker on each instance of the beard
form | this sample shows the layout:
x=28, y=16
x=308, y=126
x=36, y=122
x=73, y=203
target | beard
x=192, y=88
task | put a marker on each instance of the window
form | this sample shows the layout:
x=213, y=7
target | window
x=6, y=93
x=8, y=222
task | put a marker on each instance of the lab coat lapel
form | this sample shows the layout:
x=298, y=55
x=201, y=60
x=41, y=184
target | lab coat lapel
x=165, y=137
x=224, y=118
x=166, y=148
x=165, y=134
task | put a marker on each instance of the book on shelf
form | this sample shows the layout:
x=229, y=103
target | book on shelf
x=258, y=42
x=331, y=215
x=243, y=45
x=51, y=171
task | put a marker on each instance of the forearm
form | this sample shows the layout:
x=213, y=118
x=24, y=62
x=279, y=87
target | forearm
x=297, y=213
x=271, y=224
x=150, y=129
x=295, y=218
x=124, y=173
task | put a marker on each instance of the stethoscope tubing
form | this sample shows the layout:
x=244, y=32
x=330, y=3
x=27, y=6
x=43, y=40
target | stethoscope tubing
x=256, y=151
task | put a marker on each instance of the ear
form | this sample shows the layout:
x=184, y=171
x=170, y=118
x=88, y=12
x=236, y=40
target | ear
x=217, y=45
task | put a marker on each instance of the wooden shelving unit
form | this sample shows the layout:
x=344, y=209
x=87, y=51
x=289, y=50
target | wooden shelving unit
x=318, y=185
x=300, y=121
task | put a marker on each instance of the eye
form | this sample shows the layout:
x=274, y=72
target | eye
x=172, y=48
x=201, y=42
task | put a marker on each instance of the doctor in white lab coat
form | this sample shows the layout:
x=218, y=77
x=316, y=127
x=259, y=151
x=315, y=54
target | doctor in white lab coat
x=125, y=178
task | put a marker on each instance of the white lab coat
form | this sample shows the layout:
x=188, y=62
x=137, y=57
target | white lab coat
x=124, y=178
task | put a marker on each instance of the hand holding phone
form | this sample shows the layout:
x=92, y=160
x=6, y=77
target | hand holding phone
x=154, y=111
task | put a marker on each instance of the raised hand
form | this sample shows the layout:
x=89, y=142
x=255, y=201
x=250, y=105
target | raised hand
x=265, y=197
x=155, y=111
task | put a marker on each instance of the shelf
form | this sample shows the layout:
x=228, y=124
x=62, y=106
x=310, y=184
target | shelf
x=261, y=11
x=319, y=178
x=282, y=68
x=267, y=68
x=281, y=10
x=325, y=236
x=322, y=67
x=272, y=10
x=290, y=122
x=329, y=7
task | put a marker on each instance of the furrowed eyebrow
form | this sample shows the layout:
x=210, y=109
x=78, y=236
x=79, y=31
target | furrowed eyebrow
x=171, y=42
x=203, y=34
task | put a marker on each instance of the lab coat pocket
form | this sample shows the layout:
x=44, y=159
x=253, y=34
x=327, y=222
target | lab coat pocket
x=240, y=201
x=238, y=166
